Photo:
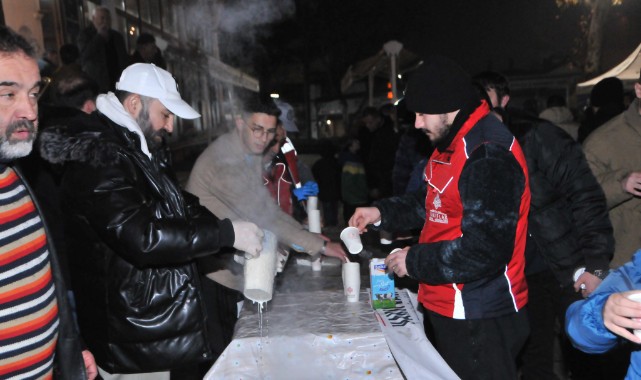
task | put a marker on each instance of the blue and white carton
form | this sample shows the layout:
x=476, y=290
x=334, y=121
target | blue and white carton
x=382, y=285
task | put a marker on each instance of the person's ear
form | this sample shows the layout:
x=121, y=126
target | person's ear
x=637, y=90
x=133, y=105
x=88, y=106
x=239, y=122
x=504, y=101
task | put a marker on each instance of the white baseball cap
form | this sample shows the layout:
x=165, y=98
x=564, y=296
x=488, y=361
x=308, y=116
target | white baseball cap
x=149, y=80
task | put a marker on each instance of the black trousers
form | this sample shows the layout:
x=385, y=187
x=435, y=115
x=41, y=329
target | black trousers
x=221, y=305
x=479, y=348
x=547, y=303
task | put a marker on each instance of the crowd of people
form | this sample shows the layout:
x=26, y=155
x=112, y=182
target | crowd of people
x=518, y=229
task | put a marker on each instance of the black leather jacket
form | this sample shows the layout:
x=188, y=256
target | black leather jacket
x=569, y=224
x=132, y=238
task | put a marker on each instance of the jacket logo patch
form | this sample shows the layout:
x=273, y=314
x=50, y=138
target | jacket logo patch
x=438, y=217
x=437, y=202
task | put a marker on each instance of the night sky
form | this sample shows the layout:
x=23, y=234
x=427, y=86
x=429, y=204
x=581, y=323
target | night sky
x=517, y=36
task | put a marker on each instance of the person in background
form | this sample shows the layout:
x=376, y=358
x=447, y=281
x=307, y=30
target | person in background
x=303, y=181
x=568, y=228
x=133, y=235
x=381, y=145
x=227, y=178
x=49, y=63
x=413, y=146
x=606, y=102
x=39, y=337
x=560, y=115
x=147, y=51
x=602, y=322
x=470, y=268
x=379, y=156
x=327, y=172
x=69, y=96
x=354, y=189
x=277, y=177
x=102, y=50
x=614, y=154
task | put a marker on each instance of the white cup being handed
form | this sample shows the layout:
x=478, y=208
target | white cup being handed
x=352, y=239
x=636, y=297
x=351, y=281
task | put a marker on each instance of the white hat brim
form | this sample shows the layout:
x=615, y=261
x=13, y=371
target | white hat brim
x=180, y=108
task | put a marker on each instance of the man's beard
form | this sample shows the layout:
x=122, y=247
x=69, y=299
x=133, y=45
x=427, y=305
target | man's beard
x=155, y=139
x=9, y=149
x=442, y=132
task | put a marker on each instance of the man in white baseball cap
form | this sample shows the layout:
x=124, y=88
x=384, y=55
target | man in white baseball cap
x=149, y=80
x=133, y=234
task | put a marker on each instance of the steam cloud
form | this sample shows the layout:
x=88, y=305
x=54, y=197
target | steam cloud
x=250, y=14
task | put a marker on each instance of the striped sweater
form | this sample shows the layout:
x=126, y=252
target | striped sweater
x=28, y=307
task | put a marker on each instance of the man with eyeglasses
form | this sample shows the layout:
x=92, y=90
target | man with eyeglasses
x=227, y=177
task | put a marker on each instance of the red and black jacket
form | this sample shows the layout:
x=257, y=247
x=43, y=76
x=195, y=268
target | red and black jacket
x=470, y=256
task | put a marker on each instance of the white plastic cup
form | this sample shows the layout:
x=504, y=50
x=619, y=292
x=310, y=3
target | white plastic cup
x=636, y=297
x=578, y=274
x=352, y=239
x=312, y=203
x=260, y=271
x=317, y=265
x=314, y=221
x=351, y=281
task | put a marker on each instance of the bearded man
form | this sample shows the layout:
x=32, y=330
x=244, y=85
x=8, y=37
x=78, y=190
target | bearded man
x=132, y=234
x=473, y=209
x=39, y=339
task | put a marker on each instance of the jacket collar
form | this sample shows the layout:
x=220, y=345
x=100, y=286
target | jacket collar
x=631, y=115
x=110, y=106
x=459, y=120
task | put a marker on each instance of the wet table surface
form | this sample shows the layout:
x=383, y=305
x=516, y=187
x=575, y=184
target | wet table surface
x=309, y=331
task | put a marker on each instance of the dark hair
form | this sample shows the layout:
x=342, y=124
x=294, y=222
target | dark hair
x=556, y=101
x=261, y=104
x=122, y=95
x=69, y=53
x=483, y=94
x=12, y=42
x=371, y=111
x=145, y=38
x=493, y=80
x=607, y=91
x=73, y=91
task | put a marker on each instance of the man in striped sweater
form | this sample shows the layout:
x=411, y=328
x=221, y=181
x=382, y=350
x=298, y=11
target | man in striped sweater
x=36, y=326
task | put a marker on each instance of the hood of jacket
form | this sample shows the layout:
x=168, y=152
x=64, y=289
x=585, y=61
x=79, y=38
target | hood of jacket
x=82, y=139
x=557, y=115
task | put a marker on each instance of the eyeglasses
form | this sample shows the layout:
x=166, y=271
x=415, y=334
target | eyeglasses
x=258, y=131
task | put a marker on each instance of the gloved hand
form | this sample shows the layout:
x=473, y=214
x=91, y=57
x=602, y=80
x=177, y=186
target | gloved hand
x=248, y=238
x=310, y=188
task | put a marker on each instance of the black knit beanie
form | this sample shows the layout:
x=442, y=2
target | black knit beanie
x=607, y=91
x=439, y=86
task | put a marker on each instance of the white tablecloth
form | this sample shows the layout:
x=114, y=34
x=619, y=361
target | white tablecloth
x=308, y=335
x=311, y=332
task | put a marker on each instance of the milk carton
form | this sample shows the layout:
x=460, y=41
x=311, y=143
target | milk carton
x=382, y=285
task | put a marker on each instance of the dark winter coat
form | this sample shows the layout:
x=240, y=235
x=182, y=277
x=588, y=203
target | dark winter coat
x=133, y=237
x=568, y=223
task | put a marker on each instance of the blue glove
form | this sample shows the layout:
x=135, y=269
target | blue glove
x=308, y=189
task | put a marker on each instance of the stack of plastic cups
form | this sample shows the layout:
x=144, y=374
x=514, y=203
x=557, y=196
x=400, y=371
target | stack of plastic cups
x=314, y=225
